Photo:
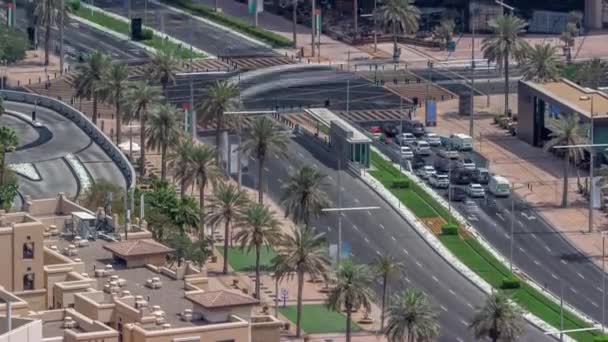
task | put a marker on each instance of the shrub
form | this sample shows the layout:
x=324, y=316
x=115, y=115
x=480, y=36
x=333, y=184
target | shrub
x=510, y=283
x=74, y=5
x=400, y=184
x=600, y=339
x=147, y=34
x=449, y=229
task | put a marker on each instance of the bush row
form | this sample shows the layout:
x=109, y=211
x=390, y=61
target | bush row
x=449, y=229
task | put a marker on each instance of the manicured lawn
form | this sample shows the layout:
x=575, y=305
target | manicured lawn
x=123, y=27
x=476, y=257
x=318, y=319
x=243, y=261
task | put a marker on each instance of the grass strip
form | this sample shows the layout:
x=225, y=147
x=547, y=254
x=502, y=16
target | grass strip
x=471, y=253
x=122, y=27
x=238, y=24
x=318, y=319
x=244, y=261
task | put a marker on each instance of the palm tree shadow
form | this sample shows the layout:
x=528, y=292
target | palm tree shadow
x=317, y=147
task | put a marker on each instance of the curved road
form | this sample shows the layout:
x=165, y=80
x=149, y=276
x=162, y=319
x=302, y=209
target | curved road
x=46, y=149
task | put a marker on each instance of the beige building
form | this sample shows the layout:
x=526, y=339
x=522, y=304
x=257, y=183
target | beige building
x=139, y=253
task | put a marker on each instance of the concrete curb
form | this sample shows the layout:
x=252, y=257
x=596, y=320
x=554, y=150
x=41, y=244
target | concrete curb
x=212, y=23
x=125, y=37
x=23, y=117
x=432, y=240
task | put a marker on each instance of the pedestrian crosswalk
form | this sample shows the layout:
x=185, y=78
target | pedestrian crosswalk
x=359, y=116
x=254, y=63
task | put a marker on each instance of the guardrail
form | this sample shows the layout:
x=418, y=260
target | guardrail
x=83, y=122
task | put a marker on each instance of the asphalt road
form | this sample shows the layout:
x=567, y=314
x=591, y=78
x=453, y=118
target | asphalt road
x=383, y=231
x=46, y=149
x=206, y=37
x=538, y=249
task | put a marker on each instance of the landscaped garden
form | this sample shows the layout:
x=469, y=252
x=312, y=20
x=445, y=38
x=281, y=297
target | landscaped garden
x=243, y=261
x=318, y=319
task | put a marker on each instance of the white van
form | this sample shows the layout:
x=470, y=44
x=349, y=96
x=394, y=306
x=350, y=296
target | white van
x=499, y=186
x=461, y=142
x=422, y=148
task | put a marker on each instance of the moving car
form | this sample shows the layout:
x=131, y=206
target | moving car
x=499, y=186
x=413, y=126
x=426, y=171
x=406, y=139
x=466, y=163
x=407, y=152
x=418, y=162
x=433, y=139
x=390, y=130
x=376, y=131
x=444, y=165
x=449, y=154
x=481, y=175
x=457, y=194
x=475, y=190
x=461, y=176
x=440, y=181
x=461, y=142
x=422, y=147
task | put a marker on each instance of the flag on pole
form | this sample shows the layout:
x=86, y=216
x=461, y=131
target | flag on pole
x=10, y=14
x=318, y=15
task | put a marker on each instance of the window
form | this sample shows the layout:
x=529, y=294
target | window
x=28, y=281
x=28, y=250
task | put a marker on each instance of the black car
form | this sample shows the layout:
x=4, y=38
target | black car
x=418, y=162
x=390, y=130
x=458, y=194
x=413, y=126
x=461, y=176
x=443, y=165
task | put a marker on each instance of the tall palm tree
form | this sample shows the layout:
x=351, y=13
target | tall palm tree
x=114, y=83
x=567, y=131
x=304, y=252
x=179, y=161
x=541, y=64
x=593, y=72
x=265, y=139
x=185, y=214
x=88, y=80
x=505, y=42
x=387, y=267
x=139, y=98
x=227, y=205
x=411, y=318
x=164, y=66
x=204, y=170
x=48, y=13
x=162, y=131
x=294, y=22
x=498, y=319
x=8, y=142
x=259, y=228
x=352, y=290
x=221, y=96
x=401, y=16
x=304, y=195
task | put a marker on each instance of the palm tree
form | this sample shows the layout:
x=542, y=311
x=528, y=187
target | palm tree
x=204, y=169
x=139, y=98
x=164, y=65
x=567, y=131
x=593, y=72
x=8, y=142
x=387, y=267
x=411, y=318
x=114, y=83
x=505, y=42
x=266, y=138
x=352, y=290
x=400, y=15
x=259, y=227
x=227, y=205
x=498, y=319
x=444, y=32
x=303, y=252
x=294, y=22
x=304, y=196
x=162, y=131
x=88, y=80
x=48, y=13
x=179, y=160
x=541, y=64
x=1, y=106
x=185, y=214
x=221, y=96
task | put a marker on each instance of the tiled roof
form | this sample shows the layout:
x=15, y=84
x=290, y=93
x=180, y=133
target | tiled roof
x=137, y=248
x=220, y=299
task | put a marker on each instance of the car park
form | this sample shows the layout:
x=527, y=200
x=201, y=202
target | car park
x=456, y=194
x=422, y=147
x=413, y=126
x=460, y=176
x=461, y=142
x=475, y=190
x=426, y=171
x=439, y=180
x=406, y=152
x=481, y=175
x=466, y=163
x=449, y=154
x=406, y=139
x=433, y=139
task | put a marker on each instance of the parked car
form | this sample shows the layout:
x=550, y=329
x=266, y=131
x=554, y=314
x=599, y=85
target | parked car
x=433, y=139
x=413, y=126
x=466, y=163
x=422, y=147
x=444, y=165
x=439, y=180
x=475, y=190
x=457, y=194
x=461, y=176
x=406, y=152
x=481, y=175
x=406, y=139
x=449, y=154
x=390, y=130
x=461, y=142
x=426, y=171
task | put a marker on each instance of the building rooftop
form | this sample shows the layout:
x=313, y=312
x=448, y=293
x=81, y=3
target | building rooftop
x=137, y=248
x=570, y=93
x=221, y=299
x=55, y=329
x=326, y=117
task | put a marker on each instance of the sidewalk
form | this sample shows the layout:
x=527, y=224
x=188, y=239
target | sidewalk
x=522, y=164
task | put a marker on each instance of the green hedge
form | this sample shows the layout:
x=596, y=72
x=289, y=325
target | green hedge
x=600, y=339
x=238, y=24
x=510, y=283
x=449, y=229
x=400, y=184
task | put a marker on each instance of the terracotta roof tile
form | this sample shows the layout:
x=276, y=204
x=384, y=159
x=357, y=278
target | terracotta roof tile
x=220, y=299
x=137, y=247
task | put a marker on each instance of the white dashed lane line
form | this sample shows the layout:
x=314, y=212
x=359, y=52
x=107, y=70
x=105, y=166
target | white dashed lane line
x=381, y=226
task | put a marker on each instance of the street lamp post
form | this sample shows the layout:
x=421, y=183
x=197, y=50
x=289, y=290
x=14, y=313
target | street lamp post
x=591, y=161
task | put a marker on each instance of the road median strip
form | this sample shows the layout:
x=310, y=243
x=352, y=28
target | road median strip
x=468, y=249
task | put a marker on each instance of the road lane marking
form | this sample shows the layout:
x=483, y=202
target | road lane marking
x=266, y=169
x=458, y=339
x=599, y=289
x=369, y=213
x=580, y=275
x=356, y=200
x=554, y=276
x=444, y=308
x=465, y=323
x=356, y=228
x=507, y=236
x=300, y=154
x=392, y=237
x=435, y=279
x=520, y=223
x=405, y=251
x=574, y=290
x=522, y=250
x=536, y=262
x=381, y=226
x=595, y=304
x=500, y=216
x=328, y=228
x=470, y=305
x=418, y=263
x=534, y=236
x=330, y=178
x=564, y=262
x=452, y=292
x=366, y=240
x=280, y=180
x=378, y=252
x=342, y=213
x=548, y=249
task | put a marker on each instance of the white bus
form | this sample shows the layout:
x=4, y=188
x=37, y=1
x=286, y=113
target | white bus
x=461, y=142
x=499, y=186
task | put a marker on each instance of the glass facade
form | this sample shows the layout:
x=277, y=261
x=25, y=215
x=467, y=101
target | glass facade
x=359, y=153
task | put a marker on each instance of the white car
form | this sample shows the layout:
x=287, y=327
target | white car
x=426, y=171
x=422, y=148
x=475, y=190
x=439, y=181
x=433, y=139
x=406, y=139
x=467, y=164
x=407, y=152
x=449, y=154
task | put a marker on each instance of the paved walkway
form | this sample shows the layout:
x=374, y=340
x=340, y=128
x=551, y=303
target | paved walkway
x=524, y=164
x=31, y=70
